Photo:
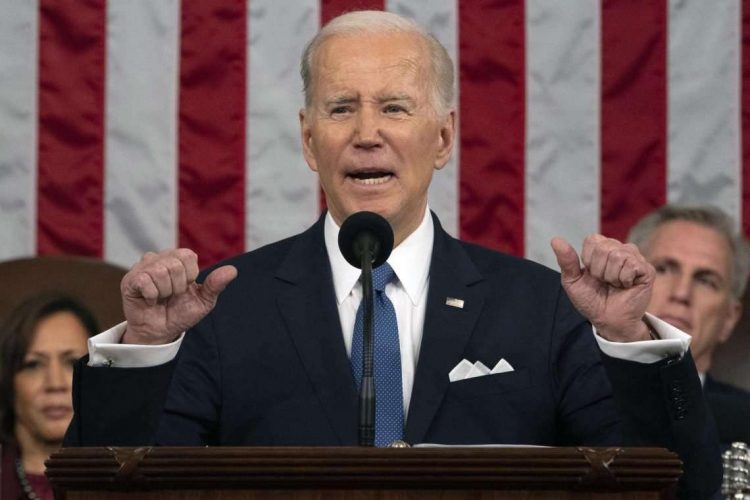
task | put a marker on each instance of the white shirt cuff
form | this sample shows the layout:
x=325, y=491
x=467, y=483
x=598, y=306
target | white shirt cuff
x=671, y=341
x=105, y=350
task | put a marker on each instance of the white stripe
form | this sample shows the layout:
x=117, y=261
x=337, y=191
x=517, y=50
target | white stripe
x=282, y=192
x=562, y=155
x=18, y=122
x=440, y=17
x=704, y=99
x=141, y=145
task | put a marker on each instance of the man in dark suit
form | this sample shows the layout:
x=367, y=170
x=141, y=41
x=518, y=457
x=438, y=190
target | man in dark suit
x=702, y=265
x=268, y=363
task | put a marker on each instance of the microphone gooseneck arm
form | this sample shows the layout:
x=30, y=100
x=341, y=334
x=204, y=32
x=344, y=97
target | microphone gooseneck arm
x=367, y=389
x=366, y=241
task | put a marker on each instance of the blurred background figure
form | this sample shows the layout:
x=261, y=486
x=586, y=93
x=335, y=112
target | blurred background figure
x=40, y=342
x=702, y=266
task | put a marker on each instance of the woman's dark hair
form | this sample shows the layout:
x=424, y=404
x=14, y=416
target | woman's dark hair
x=16, y=334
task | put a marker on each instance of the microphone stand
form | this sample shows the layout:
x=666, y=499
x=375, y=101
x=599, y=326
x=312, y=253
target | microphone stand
x=366, y=240
x=367, y=390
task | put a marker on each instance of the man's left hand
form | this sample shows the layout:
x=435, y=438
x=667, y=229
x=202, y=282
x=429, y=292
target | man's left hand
x=610, y=285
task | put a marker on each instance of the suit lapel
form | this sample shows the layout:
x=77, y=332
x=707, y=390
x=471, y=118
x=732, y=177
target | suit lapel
x=446, y=328
x=308, y=306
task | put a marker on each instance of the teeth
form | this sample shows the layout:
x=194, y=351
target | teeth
x=372, y=181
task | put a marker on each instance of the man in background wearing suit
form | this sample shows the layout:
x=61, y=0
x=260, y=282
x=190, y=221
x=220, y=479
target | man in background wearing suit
x=267, y=362
x=702, y=265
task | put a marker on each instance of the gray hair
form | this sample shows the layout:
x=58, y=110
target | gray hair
x=709, y=216
x=378, y=22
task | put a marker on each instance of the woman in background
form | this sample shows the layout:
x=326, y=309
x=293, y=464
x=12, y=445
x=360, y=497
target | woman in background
x=39, y=343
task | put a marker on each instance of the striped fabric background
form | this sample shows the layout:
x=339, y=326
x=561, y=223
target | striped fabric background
x=134, y=125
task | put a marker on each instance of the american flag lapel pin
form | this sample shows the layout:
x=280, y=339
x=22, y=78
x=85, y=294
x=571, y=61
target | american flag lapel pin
x=454, y=302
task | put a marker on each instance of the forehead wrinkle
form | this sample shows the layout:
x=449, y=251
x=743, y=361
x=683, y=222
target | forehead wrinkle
x=406, y=75
x=668, y=239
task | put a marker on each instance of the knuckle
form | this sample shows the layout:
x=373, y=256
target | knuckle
x=621, y=255
x=149, y=257
x=186, y=254
x=591, y=239
x=159, y=272
x=173, y=265
x=137, y=282
x=650, y=269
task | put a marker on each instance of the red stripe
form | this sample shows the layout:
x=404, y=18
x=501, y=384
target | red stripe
x=634, y=112
x=212, y=128
x=745, y=48
x=332, y=8
x=492, y=109
x=71, y=122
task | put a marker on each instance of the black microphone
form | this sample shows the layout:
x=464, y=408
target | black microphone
x=366, y=241
x=366, y=232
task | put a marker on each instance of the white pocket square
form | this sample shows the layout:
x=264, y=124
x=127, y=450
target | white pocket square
x=466, y=369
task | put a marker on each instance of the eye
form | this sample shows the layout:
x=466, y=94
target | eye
x=71, y=361
x=340, y=110
x=393, y=108
x=31, y=365
x=708, y=281
x=661, y=268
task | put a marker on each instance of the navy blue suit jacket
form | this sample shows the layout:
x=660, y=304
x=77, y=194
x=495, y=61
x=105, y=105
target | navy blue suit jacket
x=730, y=406
x=268, y=367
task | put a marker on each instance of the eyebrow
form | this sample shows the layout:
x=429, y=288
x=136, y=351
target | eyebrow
x=395, y=97
x=348, y=99
x=340, y=99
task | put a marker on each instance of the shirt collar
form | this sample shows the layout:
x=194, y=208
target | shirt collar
x=410, y=260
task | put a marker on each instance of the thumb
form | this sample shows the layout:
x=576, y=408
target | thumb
x=216, y=282
x=567, y=259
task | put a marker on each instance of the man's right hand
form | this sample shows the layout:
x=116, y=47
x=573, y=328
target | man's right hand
x=161, y=299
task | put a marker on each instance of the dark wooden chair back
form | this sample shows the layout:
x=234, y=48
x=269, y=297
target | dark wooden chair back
x=93, y=282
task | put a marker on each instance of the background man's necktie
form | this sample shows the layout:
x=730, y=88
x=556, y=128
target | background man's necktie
x=389, y=401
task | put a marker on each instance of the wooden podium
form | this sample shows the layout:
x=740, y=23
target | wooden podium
x=363, y=473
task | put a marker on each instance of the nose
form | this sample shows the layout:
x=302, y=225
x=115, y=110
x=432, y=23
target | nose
x=57, y=377
x=681, y=288
x=367, y=132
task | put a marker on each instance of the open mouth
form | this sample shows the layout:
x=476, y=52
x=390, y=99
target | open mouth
x=371, y=178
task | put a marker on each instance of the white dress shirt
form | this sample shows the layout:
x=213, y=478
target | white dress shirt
x=411, y=262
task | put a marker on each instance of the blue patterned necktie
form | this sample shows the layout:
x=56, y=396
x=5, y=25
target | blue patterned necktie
x=389, y=401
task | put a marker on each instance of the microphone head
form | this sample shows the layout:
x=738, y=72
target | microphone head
x=364, y=231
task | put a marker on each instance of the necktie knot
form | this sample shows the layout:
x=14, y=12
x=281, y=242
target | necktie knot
x=381, y=276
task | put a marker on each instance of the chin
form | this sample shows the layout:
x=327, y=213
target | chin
x=378, y=209
x=54, y=433
x=54, y=439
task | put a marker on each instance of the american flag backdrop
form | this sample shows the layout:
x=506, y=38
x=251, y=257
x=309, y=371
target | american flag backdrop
x=135, y=125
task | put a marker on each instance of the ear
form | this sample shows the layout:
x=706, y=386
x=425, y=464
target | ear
x=733, y=316
x=447, y=136
x=307, y=140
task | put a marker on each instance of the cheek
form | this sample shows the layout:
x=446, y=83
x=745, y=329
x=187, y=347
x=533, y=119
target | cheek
x=659, y=293
x=26, y=388
x=712, y=311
